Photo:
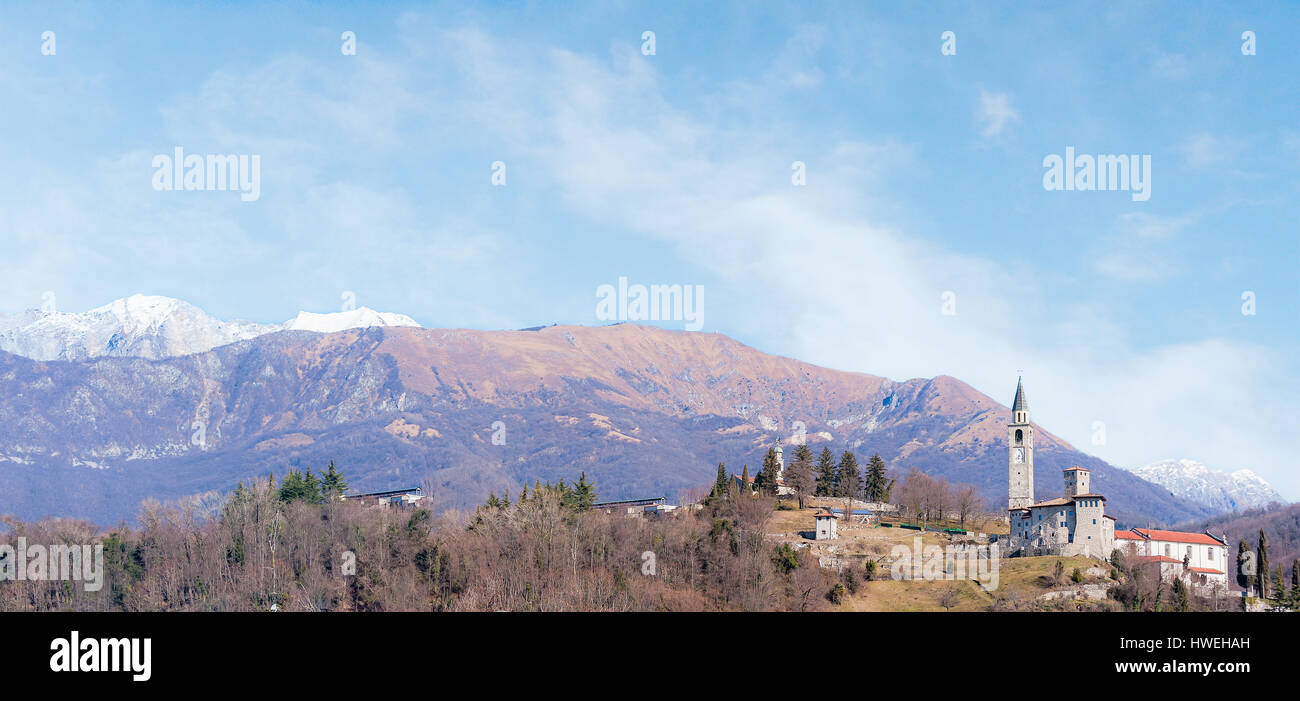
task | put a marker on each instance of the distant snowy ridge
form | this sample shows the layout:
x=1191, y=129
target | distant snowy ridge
x=1222, y=491
x=355, y=319
x=156, y=327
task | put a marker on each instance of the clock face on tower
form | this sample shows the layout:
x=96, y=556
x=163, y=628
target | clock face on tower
x=1019, y=455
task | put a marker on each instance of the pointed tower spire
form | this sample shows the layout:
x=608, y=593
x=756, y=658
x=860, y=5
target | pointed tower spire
x=1020, y=404
x=1020, y=440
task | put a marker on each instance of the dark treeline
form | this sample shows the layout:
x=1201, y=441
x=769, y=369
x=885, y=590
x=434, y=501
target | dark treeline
x=297, y=547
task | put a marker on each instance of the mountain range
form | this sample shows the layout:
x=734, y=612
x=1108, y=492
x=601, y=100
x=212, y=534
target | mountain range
x=90, y=427
x=155, y=327
x=1220, y=491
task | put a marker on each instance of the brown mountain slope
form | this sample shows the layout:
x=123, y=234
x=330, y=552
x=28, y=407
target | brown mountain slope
x=644, y=411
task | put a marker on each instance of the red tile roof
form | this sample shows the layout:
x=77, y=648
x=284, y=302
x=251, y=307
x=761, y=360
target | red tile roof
x=1178, y=537
x=1205, y=570
x=1076, y=467
x=1158, y=558
x=1127, y=535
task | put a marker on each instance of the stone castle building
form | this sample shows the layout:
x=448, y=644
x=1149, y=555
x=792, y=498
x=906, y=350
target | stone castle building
x=1076, y=523
x=1073, y=524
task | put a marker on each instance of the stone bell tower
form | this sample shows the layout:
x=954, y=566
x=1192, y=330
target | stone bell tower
x=780, y=460
x=1020, y=461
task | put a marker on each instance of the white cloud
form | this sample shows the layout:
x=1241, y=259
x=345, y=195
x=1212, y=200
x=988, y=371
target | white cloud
x=617, y=150
x=994, y=115
x=866, y=297
x=1138, y=250
x=1203, y=149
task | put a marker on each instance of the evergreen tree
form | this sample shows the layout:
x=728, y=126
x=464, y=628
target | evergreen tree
x=584, y=493
x=746, y=486
x=333, y=484
x=848, y=479
x=765, y=482
x=721, y=485
x=1180, y=600
x=300, y=486
x=1295, y=583
x=878, y=483
x=825, y=473
x=1261, y=565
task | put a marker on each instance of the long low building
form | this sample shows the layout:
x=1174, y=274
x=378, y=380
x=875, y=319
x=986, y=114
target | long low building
x=403, y=497
x=1200, y=559
x=636, y=507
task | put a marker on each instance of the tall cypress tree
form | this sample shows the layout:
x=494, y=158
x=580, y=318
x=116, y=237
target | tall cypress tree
x=1261, y=565
x=1295, y=583
x=746, y=486
x=721, y=485
x=825, y=473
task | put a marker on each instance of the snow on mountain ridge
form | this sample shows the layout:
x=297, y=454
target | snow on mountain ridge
x=338, y=321
x=1224, y=491
x=155, y=327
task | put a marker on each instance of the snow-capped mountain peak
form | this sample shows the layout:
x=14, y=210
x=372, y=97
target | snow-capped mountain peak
x=151, y=326
x=1223, y=491
x=362, y=317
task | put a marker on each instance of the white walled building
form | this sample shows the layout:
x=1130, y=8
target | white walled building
x=1205, y=555
x=826, y=528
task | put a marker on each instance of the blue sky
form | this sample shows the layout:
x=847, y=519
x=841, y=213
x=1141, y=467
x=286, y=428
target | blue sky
x=924, y=175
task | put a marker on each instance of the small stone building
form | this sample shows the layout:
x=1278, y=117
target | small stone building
x=826, y=525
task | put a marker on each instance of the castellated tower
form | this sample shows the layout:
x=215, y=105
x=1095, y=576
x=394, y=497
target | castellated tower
x=1077, y=481
x=1020, y=461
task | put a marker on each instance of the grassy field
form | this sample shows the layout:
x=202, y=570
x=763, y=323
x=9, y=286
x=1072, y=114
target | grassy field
x=1020, y=580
